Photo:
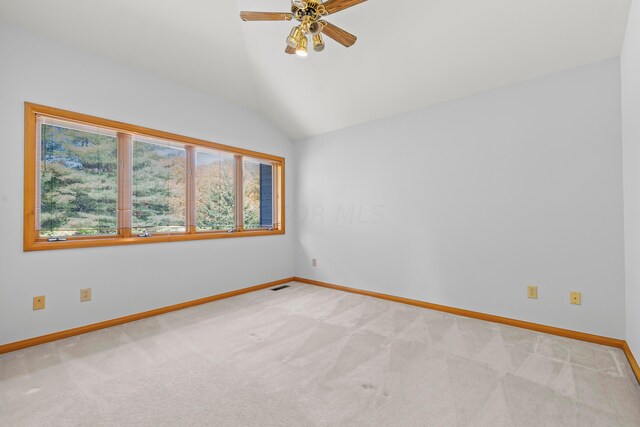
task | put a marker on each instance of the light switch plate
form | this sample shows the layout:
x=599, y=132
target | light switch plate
x=532, y=292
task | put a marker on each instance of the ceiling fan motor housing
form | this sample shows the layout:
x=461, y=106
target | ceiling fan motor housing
x=312, y=9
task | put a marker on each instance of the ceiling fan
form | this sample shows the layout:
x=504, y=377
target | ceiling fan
x=309, y=13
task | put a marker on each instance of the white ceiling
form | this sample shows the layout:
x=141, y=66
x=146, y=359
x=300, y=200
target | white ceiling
x=410, y=53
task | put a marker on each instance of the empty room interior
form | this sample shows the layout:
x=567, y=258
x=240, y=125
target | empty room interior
x=320, y=213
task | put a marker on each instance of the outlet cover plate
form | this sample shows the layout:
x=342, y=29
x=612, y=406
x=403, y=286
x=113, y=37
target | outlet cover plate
x=39, y=303
x=532, y=292
x=85, y=294
x=576, y=298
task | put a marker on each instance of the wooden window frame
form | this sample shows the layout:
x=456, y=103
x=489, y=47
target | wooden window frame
x=125, y=132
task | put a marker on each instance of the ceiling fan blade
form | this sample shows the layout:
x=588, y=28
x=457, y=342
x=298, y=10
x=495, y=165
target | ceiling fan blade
x=334, y=6
x=290, y=50
x=338, y=34
x=265, y=16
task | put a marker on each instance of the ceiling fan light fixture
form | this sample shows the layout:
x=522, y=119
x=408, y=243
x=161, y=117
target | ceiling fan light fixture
x=311, y=26
x=315, y=28
x=301, y=50
x=294, y=38
x=318, y=43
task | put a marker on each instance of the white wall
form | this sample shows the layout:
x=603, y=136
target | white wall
x=631, y=150
x=467, y=203
x=462, y=204
x=125, y=279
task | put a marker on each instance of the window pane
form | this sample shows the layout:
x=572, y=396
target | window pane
x=159, y=187
x=258, y=194
x=78, y=181
x=215, y=191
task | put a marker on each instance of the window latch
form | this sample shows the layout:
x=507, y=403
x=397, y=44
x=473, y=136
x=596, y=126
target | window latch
x=57, y=239
x=232, y=230
x=145, y=234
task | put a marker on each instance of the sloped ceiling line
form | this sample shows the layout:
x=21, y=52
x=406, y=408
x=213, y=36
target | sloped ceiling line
x=409, y=54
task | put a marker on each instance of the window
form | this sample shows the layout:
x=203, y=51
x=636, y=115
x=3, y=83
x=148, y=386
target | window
x=95, y=182
x=215, y=191
x=258, y=194
x=159, y=187
x=78, y=180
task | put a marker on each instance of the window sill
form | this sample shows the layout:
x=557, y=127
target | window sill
x=90, y=242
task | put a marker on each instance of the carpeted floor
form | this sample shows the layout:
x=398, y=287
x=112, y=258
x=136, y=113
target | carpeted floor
x=309, y=356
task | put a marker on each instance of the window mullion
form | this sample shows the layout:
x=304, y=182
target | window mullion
x=125, y=183
x=239, y=184
x=38, y=174
x=191, y=188
x=275, y=199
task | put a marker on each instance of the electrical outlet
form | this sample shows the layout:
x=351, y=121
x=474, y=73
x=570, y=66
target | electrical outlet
x=532, y=292
x=38, y=303
x=576, y=298
x=85, y=294
x=314, y=262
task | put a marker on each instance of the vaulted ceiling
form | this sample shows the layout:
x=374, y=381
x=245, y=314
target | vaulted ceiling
x=410, y=54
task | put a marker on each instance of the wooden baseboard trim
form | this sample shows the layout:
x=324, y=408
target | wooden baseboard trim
x=31, y=342
x=632, y=360
x=567, y=333
x=582, y=336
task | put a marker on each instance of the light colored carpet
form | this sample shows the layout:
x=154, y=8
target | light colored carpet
x=308, y=356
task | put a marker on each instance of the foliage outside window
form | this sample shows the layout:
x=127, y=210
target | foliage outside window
x=215, y=191
x=159, y=187
x=94, y=182
x=257, y=190
x=79, y=182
